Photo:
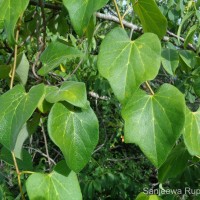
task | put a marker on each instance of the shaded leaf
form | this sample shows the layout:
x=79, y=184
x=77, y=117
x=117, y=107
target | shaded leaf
x=61, y=184
x=150, y=16
x=55, y=54
x=170, y=60
x=190, y=35
x=126, y=64
x=75, y=133
x=4, y=71
x=175, y=164
x=154, y=122
x=188, y=57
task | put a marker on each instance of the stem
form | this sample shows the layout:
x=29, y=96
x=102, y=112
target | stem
x=18, y=175
x=118, y=13
x=122, y=25
x=149, y=87
x=15, y=54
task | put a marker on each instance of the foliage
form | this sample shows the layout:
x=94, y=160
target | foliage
x=92, y=87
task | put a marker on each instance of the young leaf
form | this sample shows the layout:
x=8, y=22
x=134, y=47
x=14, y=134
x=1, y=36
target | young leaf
x=191, y=132
x=11, y=11
x=126, y=64
x=154, y=122
x=81, y=11
x=75, y=133
x=170, y=60
x=16, y=108
x=150, y=16
x=175, y=164
x=61, y=184
x=70, y=91
x=55, y=54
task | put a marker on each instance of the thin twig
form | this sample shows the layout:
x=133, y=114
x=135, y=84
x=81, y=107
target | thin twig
x=18, y=175
x=45, y=143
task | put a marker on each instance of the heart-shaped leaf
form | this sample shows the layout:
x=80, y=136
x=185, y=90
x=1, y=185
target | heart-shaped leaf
x=75, y=133
x=55, y=54
x=150, y=16
x=70, y=91
x=191, y=132
x=61, y=184
x=126, y=64
x=81, y=11
x=154, y=122
x=16, y=107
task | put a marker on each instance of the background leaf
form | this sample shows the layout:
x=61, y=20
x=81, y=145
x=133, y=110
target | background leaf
x=154, y=122
x=55, y=54
x=75, y=133
x=126, y=64
x=61, y=184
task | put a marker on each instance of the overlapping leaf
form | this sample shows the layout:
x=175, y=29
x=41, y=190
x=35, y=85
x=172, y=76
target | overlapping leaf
x=16, y=107
x=81, y=11
x=191, y=132
x=154, y=122
x=75, y=133
x=126, y=64
x=150, y=16
x=61, y=184
x=10, y=11
x=70, y=91
x=143, y=196
x=175, y=164
x=55, y=54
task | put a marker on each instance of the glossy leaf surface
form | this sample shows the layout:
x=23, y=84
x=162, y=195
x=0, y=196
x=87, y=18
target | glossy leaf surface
x=61, y=184
x=126, y=64
x=75, y=133
x=154, y=122
x=16, y=108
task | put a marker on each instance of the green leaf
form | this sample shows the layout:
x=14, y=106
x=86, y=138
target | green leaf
x=175, y=164
x=190, y=35
x=61, y=184
x=24, y=163
x=55, y=54
x=16, y=108
x=3, y=8
x=10, y=11
x=22, y=68
x=81, y=11
x=170, y=60
x=154, y=122
x=191, y=132
x=150, y=16
x=75, y=133
x=4, y=71
x=126, y=64
x=70, y=91
x=188, y=57
x=185, y=18
x=143, y=196
x=196, y=86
